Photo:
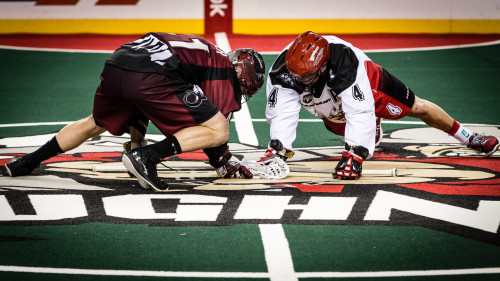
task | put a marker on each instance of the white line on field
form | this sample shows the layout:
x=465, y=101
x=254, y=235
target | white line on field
x=222, y=41
x=244, y=126
x=230, y=275
x=384, y=121
x=34, y=124
x=41, y=49
x=277, y=252
x=446, y=47
x=242, y=118
x=111, y=272
x=403, y=273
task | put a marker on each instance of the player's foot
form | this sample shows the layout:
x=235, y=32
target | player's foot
x=379, y=133
x=141, y=162
x=483, y=143
x=128, y=146
x=21, y=166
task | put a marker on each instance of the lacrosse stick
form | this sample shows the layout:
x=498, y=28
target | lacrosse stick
x=391, y=172
x=275, y=170
x=270, y=169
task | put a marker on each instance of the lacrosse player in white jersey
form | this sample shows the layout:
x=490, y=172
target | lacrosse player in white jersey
x=339, y=84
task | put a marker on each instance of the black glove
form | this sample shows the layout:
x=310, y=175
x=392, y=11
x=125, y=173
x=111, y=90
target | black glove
x=226, y=168
x=349, y=166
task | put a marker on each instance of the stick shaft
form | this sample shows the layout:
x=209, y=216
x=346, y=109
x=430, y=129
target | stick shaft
x=103, y=168
x=391, y=172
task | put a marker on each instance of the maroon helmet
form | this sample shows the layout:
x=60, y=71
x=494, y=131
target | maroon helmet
x=252, y=68
x=307, y=54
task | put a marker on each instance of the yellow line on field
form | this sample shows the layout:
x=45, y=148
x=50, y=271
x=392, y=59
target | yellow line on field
x=250, y=26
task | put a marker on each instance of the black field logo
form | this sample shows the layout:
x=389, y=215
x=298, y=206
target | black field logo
x=442, y=187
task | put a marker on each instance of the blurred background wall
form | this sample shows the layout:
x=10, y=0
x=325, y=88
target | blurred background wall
x=261, y=17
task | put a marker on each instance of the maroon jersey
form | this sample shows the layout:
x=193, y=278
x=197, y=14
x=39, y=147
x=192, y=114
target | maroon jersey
x=185, y=59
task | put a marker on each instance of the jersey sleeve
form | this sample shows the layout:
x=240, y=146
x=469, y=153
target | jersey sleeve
x=282, y=113
x=359, y=108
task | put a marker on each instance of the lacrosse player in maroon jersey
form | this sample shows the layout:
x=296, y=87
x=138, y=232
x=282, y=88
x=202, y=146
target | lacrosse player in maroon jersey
x=185, y=85
x=339, y=84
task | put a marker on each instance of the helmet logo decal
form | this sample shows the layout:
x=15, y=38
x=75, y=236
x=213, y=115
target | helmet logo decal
x=307, y=54
x=313, y=54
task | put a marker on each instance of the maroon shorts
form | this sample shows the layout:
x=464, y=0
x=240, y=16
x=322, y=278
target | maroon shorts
x=170, y=106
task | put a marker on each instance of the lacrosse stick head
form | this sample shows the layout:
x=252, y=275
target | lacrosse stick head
x=271, y=169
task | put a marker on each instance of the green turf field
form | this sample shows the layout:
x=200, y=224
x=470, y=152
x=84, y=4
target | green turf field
x=54, y=87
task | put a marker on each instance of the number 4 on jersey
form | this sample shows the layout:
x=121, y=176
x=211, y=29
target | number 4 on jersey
x=272, y=99
x=357, y=94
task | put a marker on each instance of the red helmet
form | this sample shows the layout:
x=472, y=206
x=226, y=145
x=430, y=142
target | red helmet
x=252, y=68
x=307, y=54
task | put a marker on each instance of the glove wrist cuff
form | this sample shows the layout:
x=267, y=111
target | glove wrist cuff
x=222, y=160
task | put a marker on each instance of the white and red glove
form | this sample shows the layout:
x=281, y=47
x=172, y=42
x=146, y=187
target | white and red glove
x=270, y=152
x=349, y=166
x=275, y=149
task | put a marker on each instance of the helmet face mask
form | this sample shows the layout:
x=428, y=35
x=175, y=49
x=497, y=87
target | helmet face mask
x=313, y=78
x=307, y=56
x=250, y=68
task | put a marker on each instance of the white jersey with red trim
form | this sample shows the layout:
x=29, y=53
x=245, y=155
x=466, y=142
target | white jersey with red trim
x=344, y=94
